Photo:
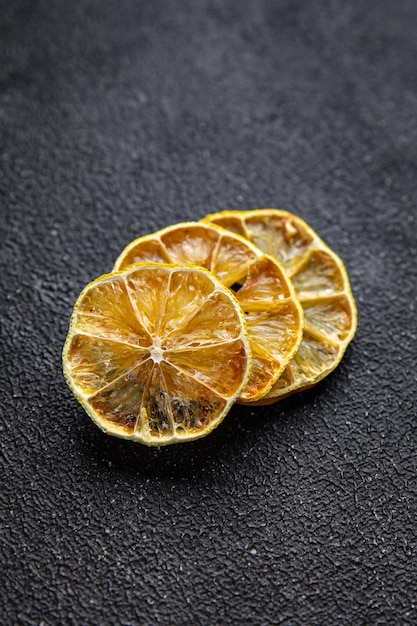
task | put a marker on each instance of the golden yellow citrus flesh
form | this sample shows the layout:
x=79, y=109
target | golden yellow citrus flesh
x=157, y=353
x=322, y=286
x=273, y=315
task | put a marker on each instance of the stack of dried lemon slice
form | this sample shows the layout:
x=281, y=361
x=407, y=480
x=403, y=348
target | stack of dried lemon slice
x=245, y=306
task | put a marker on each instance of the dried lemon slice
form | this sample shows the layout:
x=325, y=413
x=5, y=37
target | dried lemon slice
x=322, y=285
x=157, y=353
x=274, y=317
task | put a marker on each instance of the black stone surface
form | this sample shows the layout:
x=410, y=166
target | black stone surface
x=118, y=118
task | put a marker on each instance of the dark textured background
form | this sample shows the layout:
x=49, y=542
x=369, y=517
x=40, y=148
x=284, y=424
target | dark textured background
x=118, y=118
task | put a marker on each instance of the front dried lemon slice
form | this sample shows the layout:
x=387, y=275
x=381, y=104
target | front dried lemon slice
x=157, y=353
x=322, y=286
x=273, y=315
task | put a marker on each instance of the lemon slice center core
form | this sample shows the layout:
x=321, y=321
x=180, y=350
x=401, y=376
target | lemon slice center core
x=156, y=351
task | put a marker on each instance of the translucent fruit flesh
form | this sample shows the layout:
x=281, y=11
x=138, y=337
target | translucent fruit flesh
x=322, y=286
x=273, y=315
x=157, y=353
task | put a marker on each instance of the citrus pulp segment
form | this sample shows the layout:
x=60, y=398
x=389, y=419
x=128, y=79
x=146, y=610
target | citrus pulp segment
x=157, y=353
x=273, y=315
x=322, y=286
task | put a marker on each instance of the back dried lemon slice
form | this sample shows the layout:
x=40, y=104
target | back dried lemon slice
x=322, y=286
x=157, y=353
x=273, y=315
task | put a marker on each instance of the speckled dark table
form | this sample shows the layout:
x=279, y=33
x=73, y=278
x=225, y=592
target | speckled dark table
x=118, y=118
